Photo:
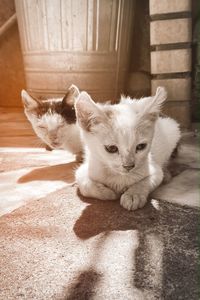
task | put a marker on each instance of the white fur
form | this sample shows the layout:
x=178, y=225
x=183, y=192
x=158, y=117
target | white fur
x=132, y=122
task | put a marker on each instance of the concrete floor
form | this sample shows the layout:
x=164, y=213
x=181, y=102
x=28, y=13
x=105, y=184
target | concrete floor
x=108, y=252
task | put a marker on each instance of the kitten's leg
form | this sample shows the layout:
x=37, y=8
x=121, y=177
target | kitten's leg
x=90, y=188
x=79, y=157
x=167, y=175
x=136, y=196
x=48, y=148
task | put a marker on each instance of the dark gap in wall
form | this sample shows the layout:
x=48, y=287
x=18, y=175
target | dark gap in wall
x=139, y=79
x=195, y=101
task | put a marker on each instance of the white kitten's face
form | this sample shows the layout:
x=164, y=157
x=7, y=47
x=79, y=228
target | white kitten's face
x=125, y=151
x=119, y=144
x=119, y=136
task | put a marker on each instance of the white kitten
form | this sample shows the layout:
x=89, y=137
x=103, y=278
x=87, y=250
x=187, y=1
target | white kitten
x=54, y=121
x=127, y=147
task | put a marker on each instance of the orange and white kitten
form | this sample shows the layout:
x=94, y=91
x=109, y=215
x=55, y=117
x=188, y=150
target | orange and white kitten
x=54, y=121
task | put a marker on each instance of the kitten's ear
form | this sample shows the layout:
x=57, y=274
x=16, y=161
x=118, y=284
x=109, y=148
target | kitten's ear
x=153, y=104
x=87, y=112
x=158, y=100
x=149, y=108
x=71, y=95
x=28, y=101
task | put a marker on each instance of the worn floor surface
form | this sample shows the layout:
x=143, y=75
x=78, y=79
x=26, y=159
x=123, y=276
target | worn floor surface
x=54, y=244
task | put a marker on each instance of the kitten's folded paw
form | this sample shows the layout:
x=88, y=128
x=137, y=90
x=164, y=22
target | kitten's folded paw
x=133, y=201
x=97, y=190
x=105, y=193
x=167, y=176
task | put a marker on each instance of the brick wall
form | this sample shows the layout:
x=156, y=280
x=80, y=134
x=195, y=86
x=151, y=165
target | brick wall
x=170, y=39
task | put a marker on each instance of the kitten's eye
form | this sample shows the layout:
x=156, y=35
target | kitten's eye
x=111, y=149
x=140, y=147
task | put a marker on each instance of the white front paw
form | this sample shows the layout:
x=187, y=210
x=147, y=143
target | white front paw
x=96, y=190
x=132, y=201
x=105, y=193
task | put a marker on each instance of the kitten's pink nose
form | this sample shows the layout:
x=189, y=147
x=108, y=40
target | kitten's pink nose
x=129, y=167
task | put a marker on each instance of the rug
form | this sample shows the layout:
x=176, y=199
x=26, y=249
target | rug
x=55, y=244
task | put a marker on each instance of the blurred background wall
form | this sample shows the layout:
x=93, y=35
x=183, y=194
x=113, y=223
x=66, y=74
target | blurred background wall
x=85, y=42
x=138, y=82
x=11, y=62
x=12, y=78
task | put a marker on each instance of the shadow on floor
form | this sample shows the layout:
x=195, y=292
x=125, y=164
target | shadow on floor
x=84, y=286
x=62, y=172
x=101, y=216
x=165, y=262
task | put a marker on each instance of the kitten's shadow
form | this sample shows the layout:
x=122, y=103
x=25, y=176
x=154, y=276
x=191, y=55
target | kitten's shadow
x=62, y=172
x=105, y=216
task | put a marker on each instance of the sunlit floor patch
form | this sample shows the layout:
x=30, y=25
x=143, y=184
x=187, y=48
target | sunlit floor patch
x=31, y=173
x=14, y=193
x=21, y=149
